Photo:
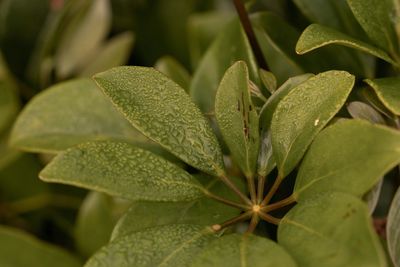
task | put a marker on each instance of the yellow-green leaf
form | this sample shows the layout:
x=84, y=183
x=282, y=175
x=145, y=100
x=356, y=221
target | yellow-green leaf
x=374, y=17
x=303, y=113
x=67, y=114
x=174, y=70
x=120, y=169
x=387, y=90
x=113, y=53
x=237, y=250
x=202, y=211
x=237, y=117
x=360, y=153
x=162, y=110
x=316, y=36
x=331, y=230
x=171, y=245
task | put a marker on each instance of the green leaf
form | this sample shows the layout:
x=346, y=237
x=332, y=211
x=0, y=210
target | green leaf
x=360, y=110
x=387, y=90
x=202, y=29
x=162, y=111
x=360, y=153
x=230, y=46
x=8, y=105
x=202, y=211
x=316, y=36
x=369, y=96
x=114, y=53
x=174, y=70
x=269, y=80
x=335, y=14
x=393, y=230
x=331, y=230
x=237, y=118
x=68, y=114
x=171, y=245
x=374, y=18
x=237, y=250
x=82, y=38
x=266, y=162
x=120, y=169
x=303, y=113
x=18, y=249
x=94, y=223
x=372, y=196
x=277, y=48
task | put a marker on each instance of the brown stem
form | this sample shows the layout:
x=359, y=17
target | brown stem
x=260, y=188
x=236, y=190
x=253, y=223
x=252, y=189
x=268, y=218
x=277, y=205
x=272, y=191
x=245, y=21
x=226, y=201
x=242, y=217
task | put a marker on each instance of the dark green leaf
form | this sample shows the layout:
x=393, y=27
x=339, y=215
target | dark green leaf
x=237, y=117
x=18, y=249
x=8, y=105
x=331, y=230
x=68, y=114
x=237, y=250
x=202, y=30
x=174, y=70
x=203, y=211
x=162, y=111
x=360, y=153
x=171, y=245
x=393, y=230
x=303, y=113
x=230, y=46
x=387, y=90
x=316, y=36
x=123, y=170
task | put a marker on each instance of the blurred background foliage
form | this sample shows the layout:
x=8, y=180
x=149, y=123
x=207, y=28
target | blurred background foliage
x=43, y=42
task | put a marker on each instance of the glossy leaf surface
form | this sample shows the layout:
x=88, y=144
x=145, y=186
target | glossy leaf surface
x=360, y=153
x=303, y=113
x=237, y=118
x=172, y=245
x=334, y=230
x=387, y=90
x=237, y=250
x=68, y=114
x=393, y=230
x=316, y=36
x=18, y=249
x=360, y=110
x=120, y=169
x=162, y=111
